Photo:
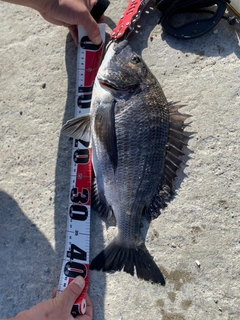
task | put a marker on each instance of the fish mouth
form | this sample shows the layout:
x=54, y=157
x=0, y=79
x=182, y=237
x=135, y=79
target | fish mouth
x=110, y=86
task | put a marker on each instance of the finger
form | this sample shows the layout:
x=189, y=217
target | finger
x=102, y=19
x=55, y=21
x=54, y=293
x=74, y=32
x=71, y=293
x=91, y=27
x=89, y=310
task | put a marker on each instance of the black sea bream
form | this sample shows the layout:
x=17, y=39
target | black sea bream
x=136, y=138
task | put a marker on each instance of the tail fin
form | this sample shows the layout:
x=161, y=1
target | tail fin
x=116, y=257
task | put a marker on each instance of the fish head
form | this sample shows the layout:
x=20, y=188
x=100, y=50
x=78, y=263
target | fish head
x=122, y=71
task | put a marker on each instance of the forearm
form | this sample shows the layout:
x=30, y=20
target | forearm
x=38, y=5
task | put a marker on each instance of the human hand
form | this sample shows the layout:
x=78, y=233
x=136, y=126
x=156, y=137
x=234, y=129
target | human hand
x=59, y=308
x=71, y=13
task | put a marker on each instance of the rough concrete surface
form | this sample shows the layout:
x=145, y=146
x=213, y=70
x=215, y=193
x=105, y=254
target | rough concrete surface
x=195, y=241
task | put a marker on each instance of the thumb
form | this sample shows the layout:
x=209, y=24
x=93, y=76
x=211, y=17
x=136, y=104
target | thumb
x=92, y=28
x=71, y=293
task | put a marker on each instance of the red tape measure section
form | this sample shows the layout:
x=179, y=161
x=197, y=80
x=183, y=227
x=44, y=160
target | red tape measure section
x=77, y=250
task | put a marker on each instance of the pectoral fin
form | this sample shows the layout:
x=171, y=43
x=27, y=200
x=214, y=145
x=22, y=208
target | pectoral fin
x=78, y=128
x=105, y=131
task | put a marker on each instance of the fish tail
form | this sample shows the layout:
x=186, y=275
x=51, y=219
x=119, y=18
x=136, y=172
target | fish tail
x=116, y=257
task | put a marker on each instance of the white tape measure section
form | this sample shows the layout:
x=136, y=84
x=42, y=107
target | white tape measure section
x=87, y=66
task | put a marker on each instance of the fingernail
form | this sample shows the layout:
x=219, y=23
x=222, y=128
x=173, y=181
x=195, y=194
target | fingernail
x=80, y=282
x=97, y=40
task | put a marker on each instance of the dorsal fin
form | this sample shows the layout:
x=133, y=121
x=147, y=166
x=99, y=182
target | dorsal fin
x=177, y=140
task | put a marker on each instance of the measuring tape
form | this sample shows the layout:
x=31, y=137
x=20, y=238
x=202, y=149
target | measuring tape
x=76, y=255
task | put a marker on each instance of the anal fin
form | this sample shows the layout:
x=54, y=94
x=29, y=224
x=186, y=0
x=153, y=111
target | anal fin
x=99, y=202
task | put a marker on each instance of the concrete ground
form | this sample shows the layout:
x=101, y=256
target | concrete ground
x=196, y=240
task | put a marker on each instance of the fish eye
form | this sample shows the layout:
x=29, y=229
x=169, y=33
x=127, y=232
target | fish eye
x=135, y=59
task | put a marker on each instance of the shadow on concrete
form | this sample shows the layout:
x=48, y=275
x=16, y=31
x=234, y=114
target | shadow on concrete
x=27, y=260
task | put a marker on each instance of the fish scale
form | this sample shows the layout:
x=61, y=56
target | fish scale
x=131, y=146
x=137, y=140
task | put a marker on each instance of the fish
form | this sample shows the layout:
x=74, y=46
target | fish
x=137, y=139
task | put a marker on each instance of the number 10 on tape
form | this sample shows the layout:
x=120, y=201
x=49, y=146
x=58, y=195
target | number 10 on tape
x=77, y=249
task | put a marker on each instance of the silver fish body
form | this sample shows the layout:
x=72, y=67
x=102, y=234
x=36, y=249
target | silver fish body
x=135, y=157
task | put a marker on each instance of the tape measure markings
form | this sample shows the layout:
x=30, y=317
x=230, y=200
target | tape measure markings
x=77, y=249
